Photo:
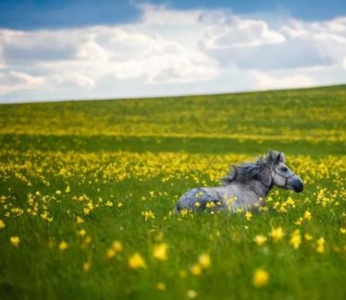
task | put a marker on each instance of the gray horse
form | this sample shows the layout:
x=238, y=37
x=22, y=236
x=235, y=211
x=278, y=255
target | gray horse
x=245, y=187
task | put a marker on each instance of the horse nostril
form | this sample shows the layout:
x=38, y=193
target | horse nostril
x=298, y=186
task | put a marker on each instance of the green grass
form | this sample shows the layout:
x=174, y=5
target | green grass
x=109, y=162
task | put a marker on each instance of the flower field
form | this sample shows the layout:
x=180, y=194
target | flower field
x=87, y=191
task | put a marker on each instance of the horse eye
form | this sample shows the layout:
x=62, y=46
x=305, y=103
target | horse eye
x=284, y=169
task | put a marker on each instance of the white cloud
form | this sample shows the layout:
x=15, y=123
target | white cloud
x=265, y=81
x=327, y=38
x=71, y=79
x=92, y=51
x=18, y=81
x=295, y=45
x=2, y=63
x=172, y=51
x=236, y=32
x=20, y=47
x=161, y=61
x=85, y=56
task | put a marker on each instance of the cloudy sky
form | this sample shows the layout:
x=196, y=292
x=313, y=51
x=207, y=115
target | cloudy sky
x=68, y=49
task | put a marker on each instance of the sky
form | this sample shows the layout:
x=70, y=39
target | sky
x=70, y=50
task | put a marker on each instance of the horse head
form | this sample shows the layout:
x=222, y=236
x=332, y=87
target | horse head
x=282, y=175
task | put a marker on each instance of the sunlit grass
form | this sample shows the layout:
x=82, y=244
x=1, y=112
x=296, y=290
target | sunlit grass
x=81, y=217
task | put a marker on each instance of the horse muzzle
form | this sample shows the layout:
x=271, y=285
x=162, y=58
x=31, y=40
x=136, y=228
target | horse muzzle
x=297, y=185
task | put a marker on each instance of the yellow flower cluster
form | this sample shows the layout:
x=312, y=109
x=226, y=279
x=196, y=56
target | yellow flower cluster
x=204, y=262
x=136, y=261
x=292, y=226
x=114, y=249
x=260, y=278
x=148, y=214
x=183, y=119
x=15, y=240
x=159, y=252
x=41, y=166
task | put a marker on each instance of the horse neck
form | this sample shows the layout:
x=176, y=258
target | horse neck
x=260, y=187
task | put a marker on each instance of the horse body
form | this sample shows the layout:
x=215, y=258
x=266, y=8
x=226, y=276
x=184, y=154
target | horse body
x=231, y=197
x=245, y=188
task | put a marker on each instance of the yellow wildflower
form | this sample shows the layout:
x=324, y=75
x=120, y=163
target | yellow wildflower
x=299, y=221
x=2, y=224
x=82, y=232
x=191, y=294
x=307, y=215
x=160, y=251
x=277, y=204
x=196, y=269
x=248, y=215
x=260, y=278
x=116, y=247
x=161, y=286
x=290, y=202
x=260, y=239
x=68, y=189
x=79, y=220
x=110, y=253
x=320, y=245
x=87, y=240
x=86, y=266
x=342, y=230
x=231, y=200
x=44, y=215
x=277, y=234
x=308, y=237
x=136, y=261
x=148, y=215
x=296, y=239
x=204, y=260
x=63, y=245
x=210, y=205
x=15, y=240
x=282, y=208
x=184, y=212
x=109, y=203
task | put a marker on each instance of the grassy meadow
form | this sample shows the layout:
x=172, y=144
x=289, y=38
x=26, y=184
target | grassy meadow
x=87, y=191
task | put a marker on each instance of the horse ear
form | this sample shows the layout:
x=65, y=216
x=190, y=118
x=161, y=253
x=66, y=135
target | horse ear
x=275, y=157
x=231, y=176
x=234, y=174
x=271, y=158
x=280, y=158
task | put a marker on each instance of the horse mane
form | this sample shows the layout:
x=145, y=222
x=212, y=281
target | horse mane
x=251, y=170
